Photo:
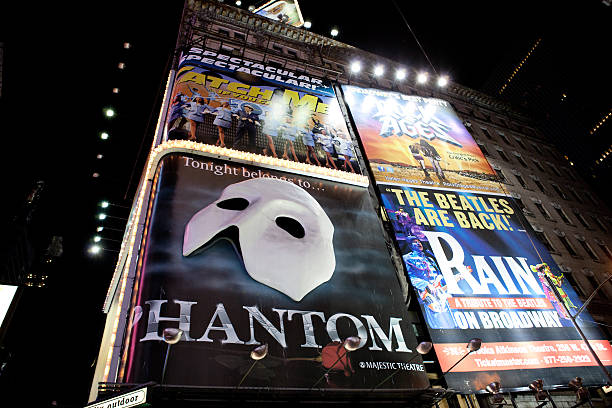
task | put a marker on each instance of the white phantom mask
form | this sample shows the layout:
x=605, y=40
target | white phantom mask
x=284, y=234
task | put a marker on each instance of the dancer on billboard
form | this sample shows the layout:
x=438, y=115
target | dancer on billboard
x=248, y=118
x=288, y=132
x=223, y=121
x=308, y=139
x=543, y=270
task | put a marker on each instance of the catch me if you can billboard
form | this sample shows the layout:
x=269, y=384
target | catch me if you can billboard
x=239, y=256
x=475, y=268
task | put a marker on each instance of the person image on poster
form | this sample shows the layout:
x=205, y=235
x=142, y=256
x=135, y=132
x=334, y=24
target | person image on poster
x=426, y=277
x=344, y=148
x=432, y=154
x=543, y=270
x=194, y=113
x=288, y=132
x=247, y=120
x=415, y=149
x=403, y=221
x=308, y=139
x=223, y=121
x=327, y=144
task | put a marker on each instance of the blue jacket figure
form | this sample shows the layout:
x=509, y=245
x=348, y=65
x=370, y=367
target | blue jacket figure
x=248, y=118
x=223, y=121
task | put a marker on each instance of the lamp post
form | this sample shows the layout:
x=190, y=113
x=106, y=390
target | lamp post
x=171, y=336
x=537, y=387
x=494, y=389
x=582, y=394
x=472, y=346
x=349, y=344
x=423, y=348
x=257, y=354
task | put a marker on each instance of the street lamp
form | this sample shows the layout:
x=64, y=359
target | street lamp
x=537, y=386
x=423, y=348
x=582, y=394
x=493, y=388
x=171, y=336
x=472, y=346
x=257, y=354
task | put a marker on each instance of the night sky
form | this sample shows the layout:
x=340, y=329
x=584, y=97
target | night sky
x=60, y=66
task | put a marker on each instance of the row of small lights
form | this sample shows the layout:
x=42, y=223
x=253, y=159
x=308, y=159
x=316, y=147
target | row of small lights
x=601, y=122
x=604, y=155
x=108, y=113
x=379, y=70
x=519, y=66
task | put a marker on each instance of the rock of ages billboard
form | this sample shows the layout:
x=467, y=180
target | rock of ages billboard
x=259, y=108
x=239, y=257
x=477, y=274
x=417, y=141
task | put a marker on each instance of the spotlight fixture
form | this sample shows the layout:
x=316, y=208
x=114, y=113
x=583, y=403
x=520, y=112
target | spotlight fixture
x=121, y=65
x=97, y=238
x=104, y=204
x=355, y=66
x=422, y=77
x=99, y=156
x=442, y=81
x=400, y=74
x=493, y=388
x=334, y=32
x=379, y=70
x=103, y=135
x=109, y=112
x=251, y=8
x=238, y=3
x=95, y=249
x=537, y=386
x=307, y=24
x=474, y=345
x=127, y=45
x=582, y=393
x=115, y=90
x=101, y=216
x=99, y=229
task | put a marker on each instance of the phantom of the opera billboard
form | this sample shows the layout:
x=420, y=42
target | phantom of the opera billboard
x=418, y=141
x=278, y=281
x=260, y=108
x=477, y=273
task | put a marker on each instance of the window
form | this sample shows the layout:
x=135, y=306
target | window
x=562, y=214
x=581, y=219
x=520, y=143
x=593, y=281
x=483, y=149
x=591, y=198
x=486, y=133
x=558, y=190
x=544, y=240
x=587, y=248
x=292, y=53
x=224, y=32
x=576, y=196
x=542, y=210
x=520, y=160
x=570, y=174
x=568, y=245
x=604, y=248
x=554, y=169
x=500, y=175
x=537, y=148
x=519, y=178
x=539, y=184
x=599, y=223
x=504, y=138
x=570, y=278
x=277, y=47
x=502, y=155
x=519, y=203
x=240, y=36
x=539, y=165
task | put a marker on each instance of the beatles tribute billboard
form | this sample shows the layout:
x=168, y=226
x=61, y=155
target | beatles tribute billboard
x=239, y=257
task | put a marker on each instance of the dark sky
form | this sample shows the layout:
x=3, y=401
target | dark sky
x=60, y=65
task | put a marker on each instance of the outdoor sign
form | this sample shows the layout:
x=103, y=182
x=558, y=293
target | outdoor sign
x=261, y=108
x=7, y=293
x=239, y=257
x=127, y=400
x=477, y=273
x=285, y=11
x=417, y=141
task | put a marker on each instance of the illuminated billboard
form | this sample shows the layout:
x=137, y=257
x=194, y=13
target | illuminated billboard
x=477, y=273
x=7, y=293
x=418, y=141
x=285, y=11
x=259, y=108
x=239, y=257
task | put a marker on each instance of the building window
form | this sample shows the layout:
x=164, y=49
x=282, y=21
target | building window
x=599, y=223
x=224, y=32
x=570, y=174
x=520, y=180
x=519, y=203
x=562, y=215
x=537, y=149
x=502, y=155
x=588, y=250
x=580, y=218
x=540, y=185
x=544, y=241
x=520, y=143
x=486, y=133
x=591, y=198
x=483, y=149
x=240, y=36
x=576, y=196
x=539, y=166
x=520, y=160
x=292, y=53
x=554, y=169
x=568, y=245
x=277, y=47
x=500, y=175
x=604, y=248
x=558, y=190
x=504, y=138
x=543, y=211
x=570, y=278
x=593, y=281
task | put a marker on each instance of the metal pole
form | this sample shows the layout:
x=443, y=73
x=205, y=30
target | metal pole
x=584, y=338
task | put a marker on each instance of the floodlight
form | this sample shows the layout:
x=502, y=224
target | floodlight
x=99, y=229
x=355, y=66
x=400, y=74
x=109, y=112
x=422, y=77
x=307, y=24
x=104, y=204
x=442, y=81
x=379, y=70
x=334, y=32
x=103, y=135
x=95, y=249
x=97, y=238
x=238, y=3
x=474, y=345
x=101, y=216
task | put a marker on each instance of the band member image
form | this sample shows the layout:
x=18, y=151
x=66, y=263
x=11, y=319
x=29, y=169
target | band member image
x=415, y=149
x=288, y=132
x=429, y=282
x=430, y=152
x=248, y=119
x=194, y=113
x=403, y=221
x=308, y=139
x=223, y=121
x=344, y=148
x=543, y=270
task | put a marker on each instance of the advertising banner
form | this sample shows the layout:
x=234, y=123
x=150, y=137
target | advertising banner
x=268, y=274
x=477, y=274
x=259, y=108
x=417, y=141
x=285, y=11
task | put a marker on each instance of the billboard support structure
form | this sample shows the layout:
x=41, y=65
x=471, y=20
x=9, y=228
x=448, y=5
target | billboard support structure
x=573, y=320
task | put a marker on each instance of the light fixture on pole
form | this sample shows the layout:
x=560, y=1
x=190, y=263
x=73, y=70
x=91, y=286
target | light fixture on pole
x=423, y=348
x=307, y=24
x=472, y=346
x=422, y=77
x=442, y=81
x=494, y=389
x=379, y=70
x=400, y=74
x=257, y=354
x=582, y=393
x=334, y=32
x=355, y=67
x=171, y=336
x=537, y=387
x=349, y=344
